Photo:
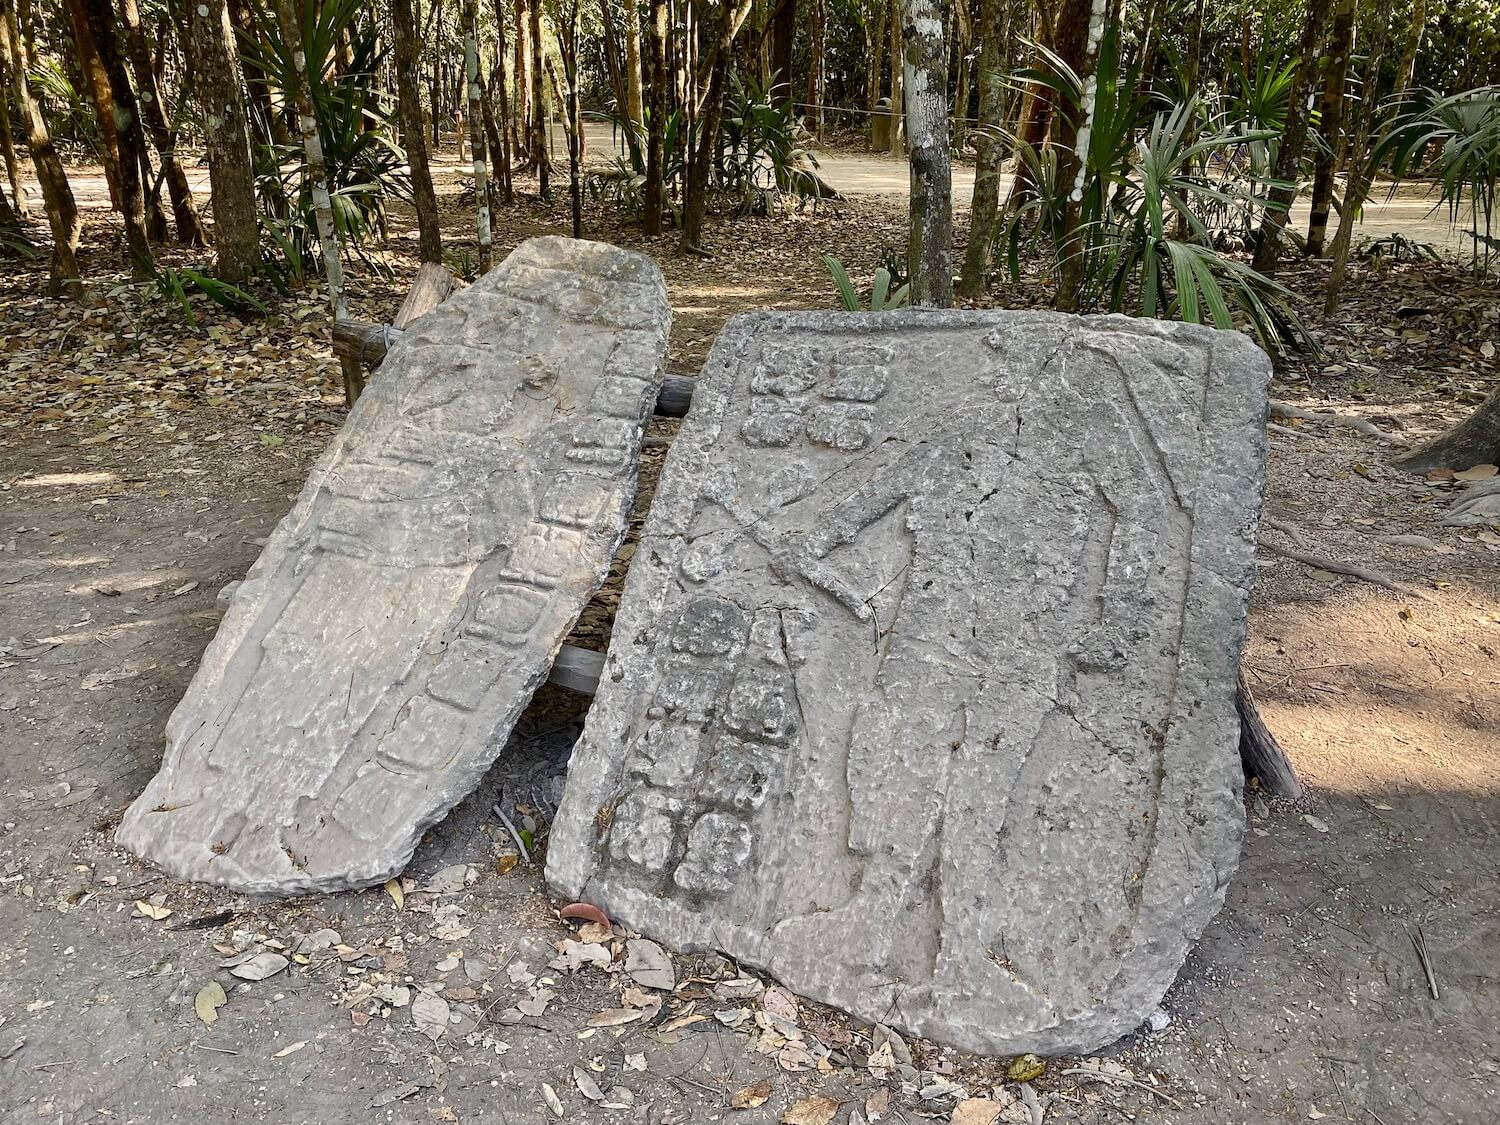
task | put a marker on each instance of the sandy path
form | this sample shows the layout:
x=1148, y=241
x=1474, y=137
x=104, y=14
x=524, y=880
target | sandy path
x=1410, y=212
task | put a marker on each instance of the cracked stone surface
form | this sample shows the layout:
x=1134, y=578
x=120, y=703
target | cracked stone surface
x=920, y=694
x=372, y=663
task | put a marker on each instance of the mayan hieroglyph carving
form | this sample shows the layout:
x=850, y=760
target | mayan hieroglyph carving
x=921, y=691
x=373, y=661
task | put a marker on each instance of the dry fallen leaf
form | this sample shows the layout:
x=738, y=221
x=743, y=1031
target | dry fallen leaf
x=209, y=1000
x=259, y=967
x=816, y=1110
x=751, y=1096
x=506, y=863
x=290, y=1049
x=585, y=911
x=878, y=1104
x=153, y=910
x=430, y=1014
x=1477, y=472
x=554, y=1103
x=1025, y=1068
x=398, y=896
x=586, y=1085
x=649, y=965
x=976, y=1111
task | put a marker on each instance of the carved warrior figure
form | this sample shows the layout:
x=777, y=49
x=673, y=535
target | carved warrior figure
x=921, y=690
x=373, y=661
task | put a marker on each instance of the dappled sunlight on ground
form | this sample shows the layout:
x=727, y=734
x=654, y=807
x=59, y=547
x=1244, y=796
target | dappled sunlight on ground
x=1374, y=692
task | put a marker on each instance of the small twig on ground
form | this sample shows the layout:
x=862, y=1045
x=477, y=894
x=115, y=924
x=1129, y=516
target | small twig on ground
x=1290, y=530
x=1370, y=576
x=514, y=835
x=1419, y=943
x=216, y=1050
x=1362, y=425
x=1106, y=1077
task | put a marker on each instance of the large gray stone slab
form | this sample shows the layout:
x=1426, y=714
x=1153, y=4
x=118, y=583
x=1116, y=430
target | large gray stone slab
x=373, y=661
x=921, y=692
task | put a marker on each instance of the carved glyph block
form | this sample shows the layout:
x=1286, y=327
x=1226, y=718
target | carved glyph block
x=370, y=667
x=921, y=690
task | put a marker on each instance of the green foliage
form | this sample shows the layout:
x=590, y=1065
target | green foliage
x=176, y=284
x=1455, y=140
x=760, y=155
x=1147, y=210
x=70, y=116
x=1398, y=248
x=363, y=164
x=882, y=296
x=15, y=244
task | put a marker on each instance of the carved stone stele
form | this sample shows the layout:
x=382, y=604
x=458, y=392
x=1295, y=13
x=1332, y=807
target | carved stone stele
x=921, y=692
x=372, y=663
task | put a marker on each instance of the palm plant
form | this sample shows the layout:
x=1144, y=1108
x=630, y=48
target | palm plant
x=1455, y=140
x=363, y=163
x=1145, y=213
x=882, y=297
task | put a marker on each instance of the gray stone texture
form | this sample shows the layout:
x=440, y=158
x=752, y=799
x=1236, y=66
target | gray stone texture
x=373, y=661
x=921, y=692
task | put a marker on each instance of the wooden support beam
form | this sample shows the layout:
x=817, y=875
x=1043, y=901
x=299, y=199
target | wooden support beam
x=1260, y=753
x=366, y=344
x=577, y=669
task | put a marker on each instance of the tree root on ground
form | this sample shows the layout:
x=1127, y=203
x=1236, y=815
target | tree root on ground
x=1286, y=410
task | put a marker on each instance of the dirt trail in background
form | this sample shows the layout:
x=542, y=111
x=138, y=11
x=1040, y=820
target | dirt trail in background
x=855, y=173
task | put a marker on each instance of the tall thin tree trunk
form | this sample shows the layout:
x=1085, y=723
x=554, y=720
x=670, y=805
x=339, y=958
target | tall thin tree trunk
x=656, y=42
x=1293, y=139
x=506, y=130
x=925, y=79
x=898, y=96
x=783, y=35
x=521, y=131
x=409, y=106
x=57, y=196
x=231, y=174
x=476, y=132
x=567, y=42
x=994, y=21
x=963, y=35
x=190, y=229
x=538, y=139
x=8, y=142
x=1079, y=31
x=633, y=101
x=101, y=21
x=435, y=83
x=96, y=83
x=1406, y=69
x=875, y=48
x=817, y=77
x=700, y=166
x=1357, y=187
x=1335, y=97
x=317, y=173
x=494, y=140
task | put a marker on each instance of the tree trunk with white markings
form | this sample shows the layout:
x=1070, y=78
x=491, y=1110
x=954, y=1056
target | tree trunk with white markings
x=925, y=83
x=317, y=173
x=476, y=132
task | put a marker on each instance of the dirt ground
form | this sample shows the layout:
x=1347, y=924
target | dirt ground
x=1351, y=976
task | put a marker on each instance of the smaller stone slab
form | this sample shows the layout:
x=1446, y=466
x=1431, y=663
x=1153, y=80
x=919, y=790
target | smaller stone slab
x=921, y=691
x=372, y=663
